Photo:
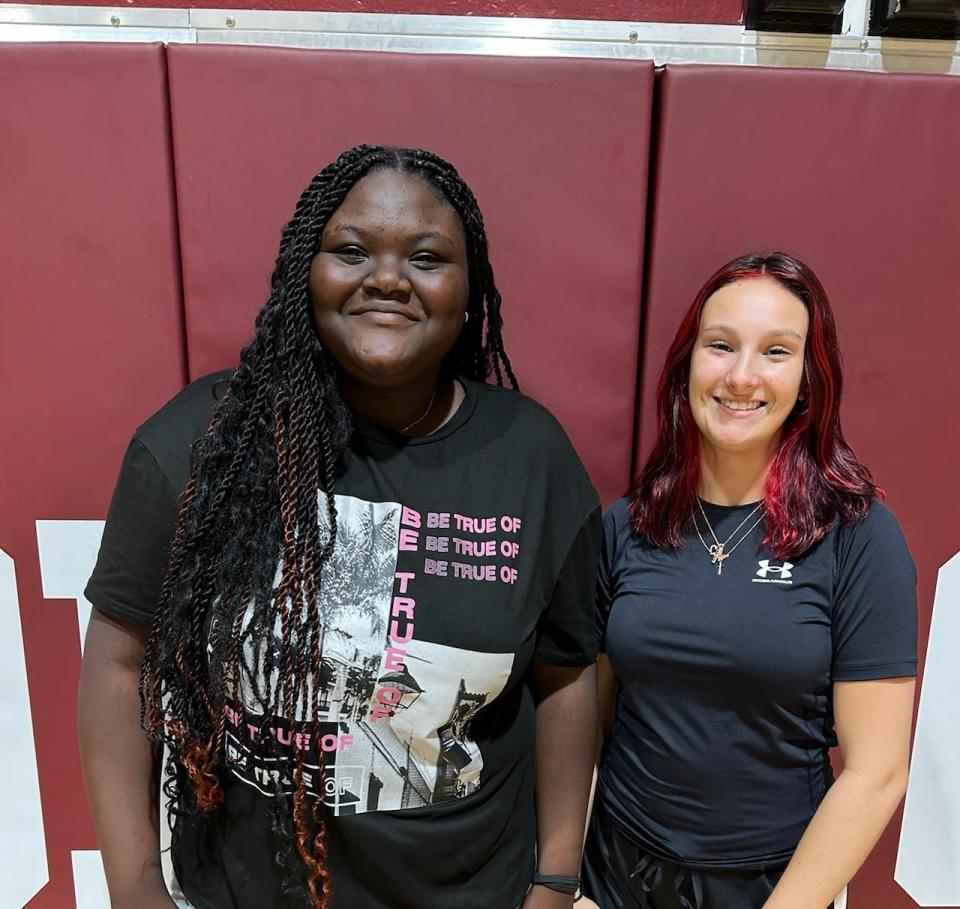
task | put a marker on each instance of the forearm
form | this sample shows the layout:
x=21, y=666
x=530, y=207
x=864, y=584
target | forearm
x=838, y=839
x=566, y=733
x=120, y=775
x=566, y=736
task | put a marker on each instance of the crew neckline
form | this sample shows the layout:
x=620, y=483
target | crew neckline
x=728, y=509
x=383, y=434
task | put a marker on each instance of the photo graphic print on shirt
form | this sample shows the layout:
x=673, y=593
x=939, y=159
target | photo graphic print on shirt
x=396, y=711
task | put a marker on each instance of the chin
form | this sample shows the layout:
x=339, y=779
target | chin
x=378, y=359
x=740, y=444
x=380, y=372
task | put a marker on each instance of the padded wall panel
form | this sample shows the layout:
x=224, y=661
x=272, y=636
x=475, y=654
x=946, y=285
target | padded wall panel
x=555, y=150
x=90, y=343
x=853, y=173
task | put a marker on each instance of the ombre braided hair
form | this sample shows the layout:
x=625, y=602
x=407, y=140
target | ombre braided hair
x=251, y=503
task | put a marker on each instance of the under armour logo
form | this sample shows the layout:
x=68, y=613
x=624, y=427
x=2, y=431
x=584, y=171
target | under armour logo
x=782, y=570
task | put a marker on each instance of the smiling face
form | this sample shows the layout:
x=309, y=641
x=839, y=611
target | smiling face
x=389, y=285
x=746, y=368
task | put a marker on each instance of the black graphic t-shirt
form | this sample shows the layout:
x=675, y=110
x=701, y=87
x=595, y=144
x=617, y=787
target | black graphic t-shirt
x=461, y=557
x=719, y=753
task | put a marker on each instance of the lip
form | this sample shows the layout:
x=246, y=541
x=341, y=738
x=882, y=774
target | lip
x=740, y=414
x=384, y=312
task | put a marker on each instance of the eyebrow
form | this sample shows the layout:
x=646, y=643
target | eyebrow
x=423, y=235
x=778, y=331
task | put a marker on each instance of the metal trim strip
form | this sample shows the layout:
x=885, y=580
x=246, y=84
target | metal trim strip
x=497, y=36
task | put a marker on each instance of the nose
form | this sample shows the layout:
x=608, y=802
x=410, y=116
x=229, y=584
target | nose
x=387, y=279
x=742, y=377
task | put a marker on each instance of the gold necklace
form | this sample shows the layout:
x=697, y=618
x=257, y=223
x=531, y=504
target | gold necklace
x=718, y=551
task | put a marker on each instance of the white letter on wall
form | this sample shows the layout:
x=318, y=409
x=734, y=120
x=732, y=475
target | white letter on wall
x=23, y=852
x=68, y=552
x=89, y=882
x=928, y=862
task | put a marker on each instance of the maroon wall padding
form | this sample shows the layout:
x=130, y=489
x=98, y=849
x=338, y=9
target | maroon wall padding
x=91, y=343
x=852, y=172
x=726, y=12
x=556, y=151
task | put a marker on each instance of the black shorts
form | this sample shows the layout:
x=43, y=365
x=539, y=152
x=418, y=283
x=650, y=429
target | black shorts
x=620, y=875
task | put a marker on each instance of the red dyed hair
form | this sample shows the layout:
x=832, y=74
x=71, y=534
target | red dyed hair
x=815, y=477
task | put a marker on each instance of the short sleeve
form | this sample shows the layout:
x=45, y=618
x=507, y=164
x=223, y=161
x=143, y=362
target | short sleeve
x=565, y=632
x=603, y=594
x=132, y=561
x=875, y=601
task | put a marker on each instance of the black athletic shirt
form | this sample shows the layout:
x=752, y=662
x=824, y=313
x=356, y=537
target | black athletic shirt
x=461, y=557
x=718, y=757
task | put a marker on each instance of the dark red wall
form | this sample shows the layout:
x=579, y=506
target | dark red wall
x=90, y=341
x=99, y=311
x=726, y=12
x=558, y=150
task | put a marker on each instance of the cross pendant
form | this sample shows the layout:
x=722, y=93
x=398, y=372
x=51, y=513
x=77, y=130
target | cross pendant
x=717, y=556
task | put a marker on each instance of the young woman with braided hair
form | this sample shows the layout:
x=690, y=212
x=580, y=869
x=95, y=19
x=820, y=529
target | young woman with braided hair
x=756, y=606
x=351, y=580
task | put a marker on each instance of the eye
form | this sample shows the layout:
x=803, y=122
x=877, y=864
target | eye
x=426, y=260
x=720, y=345
x=778, y=352
x=352, y=255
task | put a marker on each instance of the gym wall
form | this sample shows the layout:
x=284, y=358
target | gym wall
x=144, y=189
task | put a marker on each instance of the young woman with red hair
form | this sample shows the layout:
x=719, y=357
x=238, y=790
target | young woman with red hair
x=756, y=606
